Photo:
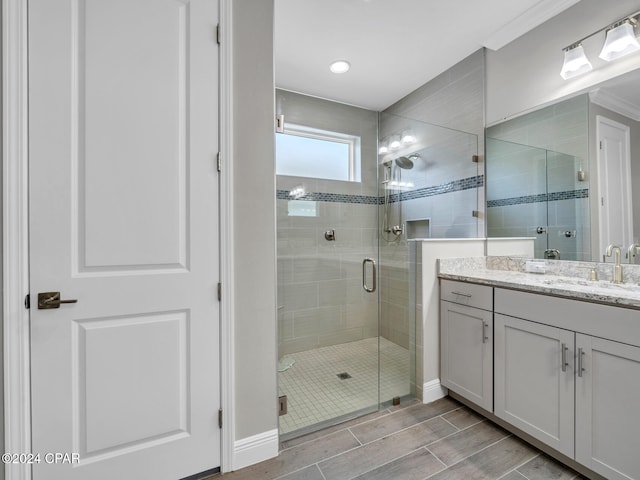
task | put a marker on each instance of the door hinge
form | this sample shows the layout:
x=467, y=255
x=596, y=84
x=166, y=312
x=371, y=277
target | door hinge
x=220, y=418
x=280, y=123
x=475, y=158
x=219, y=162
x=600, y=144
x=282, y=405
x=219, y=291
x=218, y=34
x=27, y=302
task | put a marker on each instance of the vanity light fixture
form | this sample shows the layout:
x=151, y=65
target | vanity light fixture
x=575, y=62
x=383, y=149
x=620, y=40
x=340, y=66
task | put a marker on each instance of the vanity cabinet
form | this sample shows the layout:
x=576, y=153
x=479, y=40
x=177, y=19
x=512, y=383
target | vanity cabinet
x=534, y=380
x=467, y=341
x=565, y=366
x=608, y=407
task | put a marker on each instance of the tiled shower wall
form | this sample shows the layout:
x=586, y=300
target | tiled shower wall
x=321, y=301
x=553, y=131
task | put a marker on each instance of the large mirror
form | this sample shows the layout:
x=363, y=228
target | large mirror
x=568, y=174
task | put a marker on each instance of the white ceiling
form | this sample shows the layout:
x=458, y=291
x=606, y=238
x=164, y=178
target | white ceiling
x=394, y=46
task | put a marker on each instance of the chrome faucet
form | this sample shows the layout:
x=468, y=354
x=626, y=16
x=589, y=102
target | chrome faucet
x=617, y=268
x=633, y=251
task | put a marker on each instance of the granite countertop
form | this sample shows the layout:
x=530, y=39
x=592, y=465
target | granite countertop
x=561, y=278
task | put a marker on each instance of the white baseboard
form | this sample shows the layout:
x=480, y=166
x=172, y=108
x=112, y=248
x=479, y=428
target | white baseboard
x=433, y=390
x=255, y=449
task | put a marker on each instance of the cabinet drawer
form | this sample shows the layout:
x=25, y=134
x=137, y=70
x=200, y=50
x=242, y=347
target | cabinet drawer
x=613, y=323
x=470, y=294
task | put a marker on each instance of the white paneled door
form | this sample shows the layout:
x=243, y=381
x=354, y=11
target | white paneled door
x=123, y=136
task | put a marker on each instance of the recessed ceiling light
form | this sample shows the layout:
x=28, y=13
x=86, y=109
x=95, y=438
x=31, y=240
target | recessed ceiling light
x=340, y=66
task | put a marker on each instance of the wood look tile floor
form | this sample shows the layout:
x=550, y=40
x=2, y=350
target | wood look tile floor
x=438, y=441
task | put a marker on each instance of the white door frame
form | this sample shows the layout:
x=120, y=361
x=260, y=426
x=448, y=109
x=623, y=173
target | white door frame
x=602, y=120
x=15, y=237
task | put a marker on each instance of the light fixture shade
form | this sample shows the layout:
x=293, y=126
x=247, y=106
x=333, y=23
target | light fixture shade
x=407, y=137
x=620, y=41
x=383, y=149
x=394, y=142
x=575, y=63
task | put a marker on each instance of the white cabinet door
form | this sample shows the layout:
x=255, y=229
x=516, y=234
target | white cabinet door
x=123, y=121
x=534, y=384
x=467, y=352
x=608, y=408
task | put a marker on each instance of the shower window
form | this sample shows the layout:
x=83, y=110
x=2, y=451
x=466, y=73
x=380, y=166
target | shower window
x=313, y=153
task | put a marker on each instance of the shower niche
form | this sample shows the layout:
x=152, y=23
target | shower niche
x=418, y=228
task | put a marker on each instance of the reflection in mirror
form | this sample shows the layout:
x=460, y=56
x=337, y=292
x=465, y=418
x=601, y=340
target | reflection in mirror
x=534, y=192
x=559, y=171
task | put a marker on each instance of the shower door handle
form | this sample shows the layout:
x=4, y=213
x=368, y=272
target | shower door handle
x=364, y=275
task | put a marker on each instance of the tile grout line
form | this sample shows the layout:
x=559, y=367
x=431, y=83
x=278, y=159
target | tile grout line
x=414, y=425
x=385, y=436
x=474, y=453
x=390, y=461
x=404, y=455
x=354, y=436
x=457, y=429
x=524, y=463
x=336, y=431
x=436, y=457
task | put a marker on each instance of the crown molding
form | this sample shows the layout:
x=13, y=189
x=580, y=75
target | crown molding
x=612, y=102
x=527, y=21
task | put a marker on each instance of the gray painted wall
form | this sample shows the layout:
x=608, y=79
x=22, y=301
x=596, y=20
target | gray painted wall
x=525, y=74
x=254, y=214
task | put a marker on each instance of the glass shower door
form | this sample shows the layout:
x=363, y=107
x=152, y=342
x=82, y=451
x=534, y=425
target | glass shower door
x=327, y=202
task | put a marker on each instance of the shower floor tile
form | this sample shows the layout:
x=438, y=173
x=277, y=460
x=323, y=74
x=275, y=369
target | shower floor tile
x=316, y=393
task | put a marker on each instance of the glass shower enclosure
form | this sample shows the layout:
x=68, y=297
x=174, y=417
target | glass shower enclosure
x=352, y=208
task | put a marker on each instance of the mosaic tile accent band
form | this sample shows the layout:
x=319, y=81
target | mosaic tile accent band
x=328, y=197
x=541, y=197
x=454, y=186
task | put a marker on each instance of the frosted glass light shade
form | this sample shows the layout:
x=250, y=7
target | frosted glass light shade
x=407, y=137
x=394, y=142
x=620, y=41
x=575, y=63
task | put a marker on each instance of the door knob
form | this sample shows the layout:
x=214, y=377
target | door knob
x=51, y=300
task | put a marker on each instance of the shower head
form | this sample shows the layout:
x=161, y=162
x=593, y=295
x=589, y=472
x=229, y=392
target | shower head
x=405, y=163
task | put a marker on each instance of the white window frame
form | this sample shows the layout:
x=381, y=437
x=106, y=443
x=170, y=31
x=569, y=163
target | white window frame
x=352, y=141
